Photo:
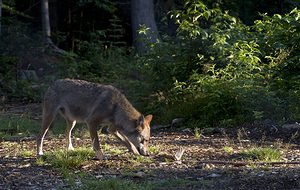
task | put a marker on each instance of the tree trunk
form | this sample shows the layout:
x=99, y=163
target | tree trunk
x=0, y=18
x=46, y=27
x=142, y=14
x=46, y=21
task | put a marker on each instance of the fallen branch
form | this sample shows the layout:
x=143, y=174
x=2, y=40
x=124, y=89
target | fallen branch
x=247, y=163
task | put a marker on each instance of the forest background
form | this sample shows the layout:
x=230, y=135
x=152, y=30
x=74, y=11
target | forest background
x=214, y=63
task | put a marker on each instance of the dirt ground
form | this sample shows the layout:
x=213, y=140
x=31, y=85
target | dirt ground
x=205, y=164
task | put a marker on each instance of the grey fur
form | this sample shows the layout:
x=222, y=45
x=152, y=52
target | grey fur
x=91, y=103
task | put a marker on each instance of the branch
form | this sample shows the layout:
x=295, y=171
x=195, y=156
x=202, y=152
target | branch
x=15, y=12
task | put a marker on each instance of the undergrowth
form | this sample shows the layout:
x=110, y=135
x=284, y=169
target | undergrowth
x=18, y=126
x=262, y=154
x=67, y=160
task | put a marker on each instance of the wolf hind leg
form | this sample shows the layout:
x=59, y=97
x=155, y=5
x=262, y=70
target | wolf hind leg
x=49, y=113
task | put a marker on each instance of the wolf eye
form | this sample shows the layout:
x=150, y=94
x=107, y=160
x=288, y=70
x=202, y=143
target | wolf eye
x=144, y=140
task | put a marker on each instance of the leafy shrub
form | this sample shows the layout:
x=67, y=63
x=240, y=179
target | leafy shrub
x=221, y=72
x=17, y=46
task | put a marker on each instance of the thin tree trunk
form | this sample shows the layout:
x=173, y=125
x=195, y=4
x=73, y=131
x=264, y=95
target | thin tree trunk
x=47, y=28
x=0, y=18
x=142, y=14
x=46, y=21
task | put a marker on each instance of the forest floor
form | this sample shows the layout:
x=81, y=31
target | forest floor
x=211, y=160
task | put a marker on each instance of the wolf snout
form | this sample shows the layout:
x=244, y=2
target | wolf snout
x=143, y=152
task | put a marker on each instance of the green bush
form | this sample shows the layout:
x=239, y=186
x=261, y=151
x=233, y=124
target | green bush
x=17, y=46
x=221, y=72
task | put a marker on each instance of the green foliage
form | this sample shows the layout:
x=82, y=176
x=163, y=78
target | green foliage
x=262, y=154
x=197, y=132
x=154, y=149
x=102, y=56
x=228, y=149
x=281, y=46
x=110, y=150
x=16, y=49
x=216, y=72
x=138, y=159
x=13, y=11
x=27, y=153
x=18, y=126
x=8, y=72
x=66, y=160
x=222, y=72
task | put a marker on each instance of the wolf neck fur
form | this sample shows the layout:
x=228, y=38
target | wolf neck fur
x=126, y=115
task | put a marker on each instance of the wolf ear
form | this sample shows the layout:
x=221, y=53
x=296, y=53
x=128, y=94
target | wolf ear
x=143, y=119
x=148, y=119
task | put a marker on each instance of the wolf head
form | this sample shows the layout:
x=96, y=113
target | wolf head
x=141, y=137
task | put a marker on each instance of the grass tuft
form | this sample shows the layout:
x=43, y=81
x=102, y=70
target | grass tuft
x=228, y=149
x=154, y=149
x=262, y=154
x=27, y=153
x=69, y=159
x=112, y=150
x=138, y=159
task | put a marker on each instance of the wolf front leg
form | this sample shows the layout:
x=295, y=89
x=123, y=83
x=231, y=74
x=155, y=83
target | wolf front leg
x=124, y=139
x=95, y=141
x=71, y=125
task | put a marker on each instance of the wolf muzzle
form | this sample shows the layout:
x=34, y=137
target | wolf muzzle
x=142, y=151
